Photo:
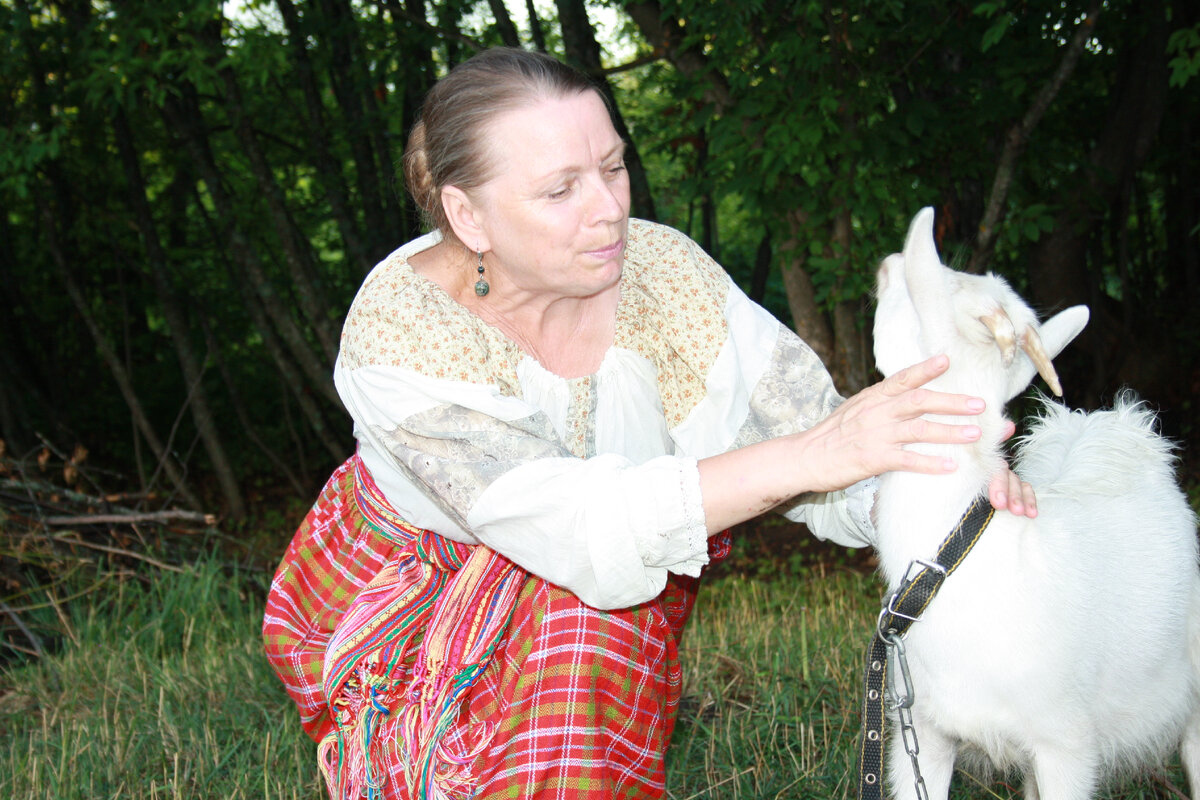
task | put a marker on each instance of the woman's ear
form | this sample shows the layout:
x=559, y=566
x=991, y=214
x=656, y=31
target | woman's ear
x=464, y=217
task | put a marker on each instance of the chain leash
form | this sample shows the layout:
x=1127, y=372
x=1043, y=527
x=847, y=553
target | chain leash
x=901, y=701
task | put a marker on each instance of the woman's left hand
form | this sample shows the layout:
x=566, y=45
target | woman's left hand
x=1009, y=492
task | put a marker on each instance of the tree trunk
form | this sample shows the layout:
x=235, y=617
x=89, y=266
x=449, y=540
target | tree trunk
x=291, y=378
x=297, y=251
x=504, y=23
x=1058, y=269
x=57, y=217
x=183, y=114
x=278, y=352
x=808, y=320
x=338, y=26
x=109, y=356
x=243, y=415
x=329, y=172
x=665, y=36
x=535, y=27
x=1015, y=140
x=176, y=319
x=583, y=52
x=850, y=365
x=762, y=268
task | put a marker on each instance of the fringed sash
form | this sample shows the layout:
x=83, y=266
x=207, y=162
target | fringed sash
x=407, y=652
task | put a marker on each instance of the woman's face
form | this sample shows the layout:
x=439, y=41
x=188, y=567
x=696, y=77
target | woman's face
x=555, y=213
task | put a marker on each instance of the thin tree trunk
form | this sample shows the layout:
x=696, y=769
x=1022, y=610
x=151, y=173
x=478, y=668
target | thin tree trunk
x=291, y=378
x=297, y=251
x=278, y=352
x=109, y=356
x=337, y=23
x=1058, y=269
x=176, y=319
x=808, y=320
x=504, y=23
x=184, y=116
x=666, y=37
x=1016, y=139
x=57, y=221
x=762, y=268
x=329, y=172
x=535, y=27
x=243, y=416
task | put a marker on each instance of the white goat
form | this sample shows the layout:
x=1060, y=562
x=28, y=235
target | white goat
x=1067, y=646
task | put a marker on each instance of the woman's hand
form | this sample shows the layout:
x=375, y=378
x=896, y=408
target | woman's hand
x=866, y=434
x=1007, y=491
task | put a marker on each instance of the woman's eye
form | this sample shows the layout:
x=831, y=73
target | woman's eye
x=616, y=169
x=559, y=194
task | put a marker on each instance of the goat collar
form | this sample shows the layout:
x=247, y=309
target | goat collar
x=900, y=610
x=923, y=578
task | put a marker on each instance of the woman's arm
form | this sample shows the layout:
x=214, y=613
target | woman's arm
x=863, y=436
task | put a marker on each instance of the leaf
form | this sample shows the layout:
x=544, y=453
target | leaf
x=996, y=32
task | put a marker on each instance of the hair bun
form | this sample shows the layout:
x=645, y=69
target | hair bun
x=417, y=175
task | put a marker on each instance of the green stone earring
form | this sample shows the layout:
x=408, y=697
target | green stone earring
x=481, y=285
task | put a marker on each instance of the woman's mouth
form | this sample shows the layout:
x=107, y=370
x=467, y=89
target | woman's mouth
x=608, y=252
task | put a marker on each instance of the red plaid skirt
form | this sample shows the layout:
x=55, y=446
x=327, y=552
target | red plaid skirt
x=570, y=702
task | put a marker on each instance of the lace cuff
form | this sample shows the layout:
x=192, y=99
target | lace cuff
x=682, y=548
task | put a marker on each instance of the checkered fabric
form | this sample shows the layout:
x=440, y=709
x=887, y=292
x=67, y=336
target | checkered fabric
x=332, y=557
x=572, y=702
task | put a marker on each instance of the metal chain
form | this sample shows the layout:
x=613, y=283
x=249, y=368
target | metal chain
x=902, y=702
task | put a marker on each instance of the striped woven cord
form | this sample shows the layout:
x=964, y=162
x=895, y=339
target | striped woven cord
x=411, y=645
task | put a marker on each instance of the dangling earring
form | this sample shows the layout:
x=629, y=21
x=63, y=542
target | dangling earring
x=481, y=285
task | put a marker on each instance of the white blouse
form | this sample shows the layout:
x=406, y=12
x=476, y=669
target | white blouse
x=590, y=483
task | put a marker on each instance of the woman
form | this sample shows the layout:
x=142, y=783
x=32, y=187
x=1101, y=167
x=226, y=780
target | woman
x=558, y=410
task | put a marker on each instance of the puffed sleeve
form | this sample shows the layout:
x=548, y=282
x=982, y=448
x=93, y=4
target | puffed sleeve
x=745, y=377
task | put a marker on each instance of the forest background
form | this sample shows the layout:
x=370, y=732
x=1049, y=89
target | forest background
x=192, y=191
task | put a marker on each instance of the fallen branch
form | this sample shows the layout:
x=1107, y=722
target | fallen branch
x=30, y=635
x=132, y=517
x=120, y=551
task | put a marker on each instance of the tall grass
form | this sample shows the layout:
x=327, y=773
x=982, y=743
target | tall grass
x=157, y=689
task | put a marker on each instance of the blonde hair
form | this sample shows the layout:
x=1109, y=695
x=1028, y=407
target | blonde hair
x=446, y=146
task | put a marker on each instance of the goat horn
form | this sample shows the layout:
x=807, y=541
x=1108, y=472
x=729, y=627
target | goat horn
x=1031, y=343
x=1001, y=328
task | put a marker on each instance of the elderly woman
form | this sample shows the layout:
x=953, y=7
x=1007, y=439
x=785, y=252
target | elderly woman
x=558, y=410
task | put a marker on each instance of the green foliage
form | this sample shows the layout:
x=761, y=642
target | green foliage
x=1184, y=49
x=818, y=128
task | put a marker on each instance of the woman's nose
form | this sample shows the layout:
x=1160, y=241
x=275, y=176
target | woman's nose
x=608, y=200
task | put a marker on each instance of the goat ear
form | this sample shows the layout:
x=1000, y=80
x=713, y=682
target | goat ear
x=1056, y=333
x=927, y=283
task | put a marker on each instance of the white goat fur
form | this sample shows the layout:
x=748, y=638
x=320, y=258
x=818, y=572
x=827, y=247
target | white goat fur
x=1066, y=646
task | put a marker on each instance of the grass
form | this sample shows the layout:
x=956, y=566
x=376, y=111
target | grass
x=158, y=690
x=155, y=688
